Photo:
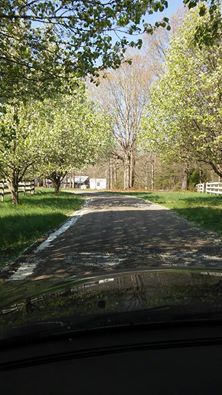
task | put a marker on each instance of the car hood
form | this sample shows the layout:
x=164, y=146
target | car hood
x=116, y=299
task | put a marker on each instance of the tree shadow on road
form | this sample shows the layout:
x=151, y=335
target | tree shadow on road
x=105, y=242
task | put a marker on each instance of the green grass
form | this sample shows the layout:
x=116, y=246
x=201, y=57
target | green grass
x=31, y=219
x=201, y=208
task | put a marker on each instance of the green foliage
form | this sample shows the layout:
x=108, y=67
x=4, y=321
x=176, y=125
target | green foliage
x=193, y=178
x=30, y=58
x=75, y=134
x=51, y=137
x=20, y=139
x=184, y=116
x=42, y=42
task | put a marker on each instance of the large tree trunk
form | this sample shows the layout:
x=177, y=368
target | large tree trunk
x=110, y=175
x=216, y=168
x=132, y=170
x=13, y=184
x=184, y=184
x=129, y=171
x=152, y=175
x=56, y=185
x=57, y=178
x=126, y=172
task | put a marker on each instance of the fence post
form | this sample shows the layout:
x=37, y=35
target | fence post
x=32, y=187
x=2, y=191
x=27, y=186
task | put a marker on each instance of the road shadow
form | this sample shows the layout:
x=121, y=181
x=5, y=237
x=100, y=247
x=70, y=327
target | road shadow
x=110, y=241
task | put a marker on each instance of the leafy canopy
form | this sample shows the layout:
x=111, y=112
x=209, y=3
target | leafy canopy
x=184, y=116
x=57, y=134
x=75, y=134
x=21, y=139
x=44, y=41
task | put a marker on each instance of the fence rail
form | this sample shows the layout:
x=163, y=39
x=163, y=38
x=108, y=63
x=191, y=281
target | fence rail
x=24, y=186
x=210, y=187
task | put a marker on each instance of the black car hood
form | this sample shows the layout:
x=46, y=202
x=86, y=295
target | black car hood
x=115, y=299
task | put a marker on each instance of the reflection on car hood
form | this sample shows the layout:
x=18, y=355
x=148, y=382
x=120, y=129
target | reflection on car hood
x=159, y=295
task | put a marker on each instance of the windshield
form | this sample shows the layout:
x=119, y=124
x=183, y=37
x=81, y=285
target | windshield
x=110, y=164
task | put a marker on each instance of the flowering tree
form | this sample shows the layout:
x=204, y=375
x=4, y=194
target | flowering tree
x=50, y=137
x=184, y=118
x=76, y=134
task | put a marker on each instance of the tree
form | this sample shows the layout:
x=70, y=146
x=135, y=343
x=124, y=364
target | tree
x=44, y=41
x=30, y=61
x=75, y=134
x=51, y=137
x=123, y=93
x=183, y=119
x=20, y=139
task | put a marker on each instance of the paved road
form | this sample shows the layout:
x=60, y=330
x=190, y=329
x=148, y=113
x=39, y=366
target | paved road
x=115, y=232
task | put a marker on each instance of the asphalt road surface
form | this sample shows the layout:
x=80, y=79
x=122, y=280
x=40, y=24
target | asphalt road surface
x=116, y=233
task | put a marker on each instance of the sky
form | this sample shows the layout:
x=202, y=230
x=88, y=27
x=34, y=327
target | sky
x=173, y=6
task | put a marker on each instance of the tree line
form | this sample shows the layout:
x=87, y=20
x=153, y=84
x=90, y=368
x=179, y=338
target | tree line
x=48, y=124
x=166, y=105
x=183, y=119
x=48, y=138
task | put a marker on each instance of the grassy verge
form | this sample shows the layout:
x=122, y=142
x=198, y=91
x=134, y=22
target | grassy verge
x=22, y=225
x=205, y=210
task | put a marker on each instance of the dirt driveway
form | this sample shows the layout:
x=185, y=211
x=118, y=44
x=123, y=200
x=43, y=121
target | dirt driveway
x=116, y=232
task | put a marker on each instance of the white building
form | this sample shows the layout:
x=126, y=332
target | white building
x=97, y=183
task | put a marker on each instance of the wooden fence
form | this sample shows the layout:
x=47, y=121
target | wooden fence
x=210, y=187
x=200, y=187
x=24, y=186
